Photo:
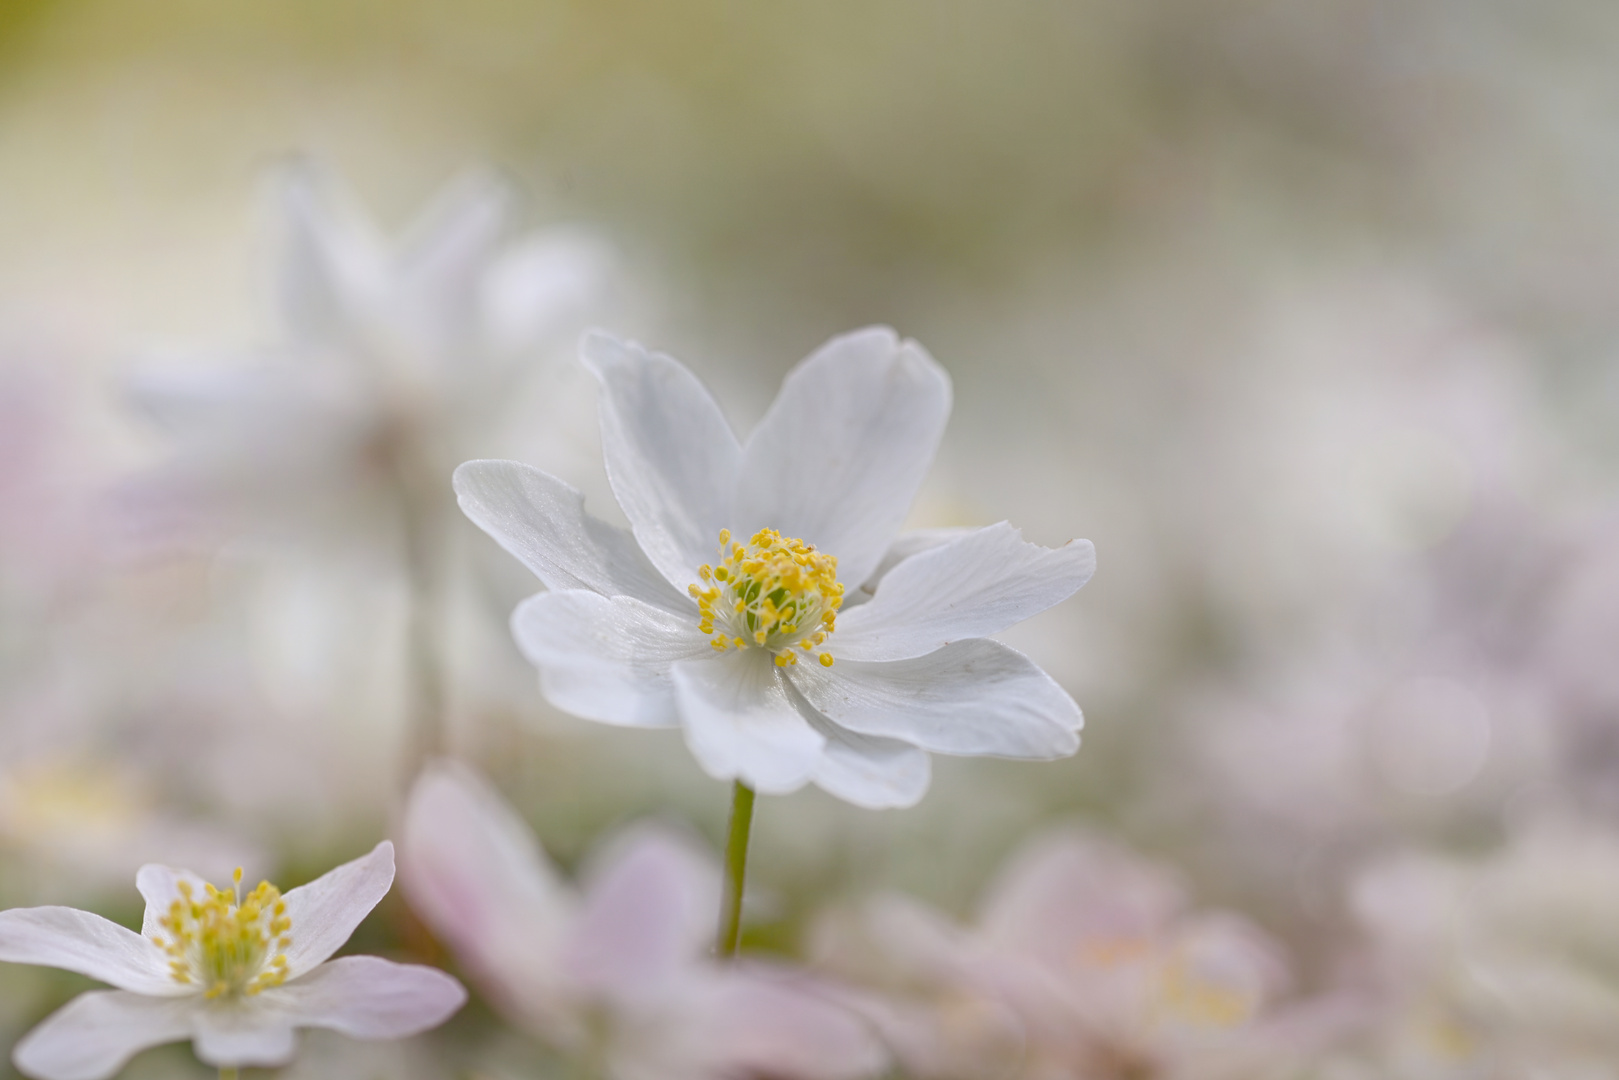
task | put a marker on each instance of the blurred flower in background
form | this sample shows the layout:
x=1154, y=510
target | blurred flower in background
x=617, y=976
x=1304, y=313
x=1085, y=962
x=396, y=361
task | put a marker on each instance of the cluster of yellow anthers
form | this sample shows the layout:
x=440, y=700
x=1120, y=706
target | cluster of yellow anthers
x=774, y=592
x=1183, y=993
x=226, y=942
x=1199, y=1000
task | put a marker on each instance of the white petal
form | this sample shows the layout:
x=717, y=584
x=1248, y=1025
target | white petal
x=472, y=870
x=752, y=1020
x=869, y=771
x=971, y=697
x=542, y=521
x=973, y=586
x=607, y=659
x=840, y=455
x=64, y=937
x=253, y=424
x=1069, y=885
x=541, y=283
x=740, y=725
x=908, y=543
x=671, y=457
x=331, y=259
x=648, y=913
x=325, y=912
x=968, y=1037
x=873, y=773
x=367, y=997
x=92, y=1036
x=779, y=1022
x=244, y=1034
x=441, y=260
x=160, y=886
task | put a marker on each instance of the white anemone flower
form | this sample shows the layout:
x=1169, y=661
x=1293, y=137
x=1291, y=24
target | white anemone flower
x=235, y=972
x=736, y=608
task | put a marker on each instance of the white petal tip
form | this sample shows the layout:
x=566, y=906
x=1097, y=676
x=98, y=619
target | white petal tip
x=600, y=351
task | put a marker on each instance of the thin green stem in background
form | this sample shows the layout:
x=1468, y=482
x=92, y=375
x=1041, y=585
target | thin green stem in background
x=736, y=866
x=421, y=519
x=229, y=1072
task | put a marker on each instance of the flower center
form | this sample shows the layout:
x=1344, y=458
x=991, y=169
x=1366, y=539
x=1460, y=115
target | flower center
x=1198, y=999
x=773, y=592
x=227, y=943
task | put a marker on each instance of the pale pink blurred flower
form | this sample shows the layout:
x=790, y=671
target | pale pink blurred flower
x=1107, y=970
x=615, y=972
x=236, y=974
x=922, y=981
x=1115, y=974
x=46, y=504
x=745, y=558
x=1498, y=967
x=1574, y=660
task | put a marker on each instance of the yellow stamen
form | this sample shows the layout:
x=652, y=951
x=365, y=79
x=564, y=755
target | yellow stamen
x=224, y=941
x=773, y=593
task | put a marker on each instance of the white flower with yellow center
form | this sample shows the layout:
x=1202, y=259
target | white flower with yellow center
x=235, y=972
x=764, y=600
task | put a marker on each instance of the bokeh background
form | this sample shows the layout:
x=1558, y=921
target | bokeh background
x=1304, y=314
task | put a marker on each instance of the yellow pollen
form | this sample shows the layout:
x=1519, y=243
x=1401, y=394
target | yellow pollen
x=773, y=592
x=1199, y=1001
x=225, y=942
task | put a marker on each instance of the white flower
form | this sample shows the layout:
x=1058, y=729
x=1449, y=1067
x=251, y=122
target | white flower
x=235, y=973
x=738, y=610
x=392, y=358
x=617, y=973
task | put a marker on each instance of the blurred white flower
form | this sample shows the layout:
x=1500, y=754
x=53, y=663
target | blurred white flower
x=1503, y=966
x=682, y=625
x=1109, y=975
x=616, y=973
x=236, y=974
x=398, y=360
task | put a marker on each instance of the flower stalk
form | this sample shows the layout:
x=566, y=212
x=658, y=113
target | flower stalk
x=421, y=519
x=736, y=865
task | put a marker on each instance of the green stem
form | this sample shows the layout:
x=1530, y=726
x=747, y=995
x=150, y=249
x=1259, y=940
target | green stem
x=229, y=1072
x=420, y=519
x=736, y=866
